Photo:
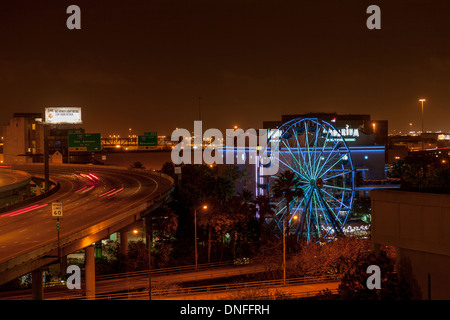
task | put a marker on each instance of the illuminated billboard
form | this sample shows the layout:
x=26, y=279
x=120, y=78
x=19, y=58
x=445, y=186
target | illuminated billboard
x=55, y=115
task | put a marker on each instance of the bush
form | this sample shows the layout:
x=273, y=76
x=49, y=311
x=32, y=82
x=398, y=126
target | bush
x=335, y=257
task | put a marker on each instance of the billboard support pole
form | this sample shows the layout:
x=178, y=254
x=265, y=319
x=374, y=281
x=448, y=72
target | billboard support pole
x=46, y=161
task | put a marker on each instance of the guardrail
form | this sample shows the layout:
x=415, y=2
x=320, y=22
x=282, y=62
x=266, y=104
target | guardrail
x=221, y=288
x=161, y=271
x=55, y=186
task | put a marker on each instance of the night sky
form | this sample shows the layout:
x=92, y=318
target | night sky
x=143, y=64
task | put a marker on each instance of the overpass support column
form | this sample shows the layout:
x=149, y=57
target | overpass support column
x=63, y=266
x=90, y=272
x=37, y=285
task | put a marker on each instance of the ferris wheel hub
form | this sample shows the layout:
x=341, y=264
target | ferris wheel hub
x=320, y=158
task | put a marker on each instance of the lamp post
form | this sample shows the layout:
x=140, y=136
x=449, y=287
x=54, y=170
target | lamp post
x=295, y=217
x=284, y=251
x=422, y=101
x=147, y=221
x=195, y=232
x=199, y=109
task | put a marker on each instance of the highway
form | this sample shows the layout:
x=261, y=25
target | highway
x=90, y=195
x=8, y=178
x=167, y=285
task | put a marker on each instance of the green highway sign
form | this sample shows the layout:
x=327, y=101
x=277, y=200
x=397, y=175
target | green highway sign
x=85, y=142
x=149, y=139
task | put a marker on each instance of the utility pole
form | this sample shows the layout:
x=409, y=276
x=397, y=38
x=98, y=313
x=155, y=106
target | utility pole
x=422, y=101
x=199, y=109
x=46, y=164
x=149, y=235
x=284, y=251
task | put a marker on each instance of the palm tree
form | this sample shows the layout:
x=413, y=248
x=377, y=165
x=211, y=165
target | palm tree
x=288, y=187
x=263, y=207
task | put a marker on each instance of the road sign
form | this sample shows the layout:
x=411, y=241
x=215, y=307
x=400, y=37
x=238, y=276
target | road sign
x=57, y=209
x=149, y=139
x=85, y=142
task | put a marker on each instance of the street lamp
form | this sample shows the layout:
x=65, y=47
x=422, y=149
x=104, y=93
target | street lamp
x=295, y=217
x=284, y=250
x=195, y=231
x=149, y=239
x=422, y=101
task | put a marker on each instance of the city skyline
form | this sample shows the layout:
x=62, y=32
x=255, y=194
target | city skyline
x=125, y=173
x=145, y=65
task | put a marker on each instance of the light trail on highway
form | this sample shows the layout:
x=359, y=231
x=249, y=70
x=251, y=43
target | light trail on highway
x=89, y=194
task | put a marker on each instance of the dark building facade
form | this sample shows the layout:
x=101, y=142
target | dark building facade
x=366, y=138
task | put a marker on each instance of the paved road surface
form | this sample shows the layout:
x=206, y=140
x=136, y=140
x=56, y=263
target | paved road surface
x=90, y=194
x=124, y=284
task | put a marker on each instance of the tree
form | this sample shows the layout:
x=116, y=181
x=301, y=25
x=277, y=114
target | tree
x=169, y=169
x=165, y=229
x=354, y=281
x=137, y=256
x=262, y=207
x=423, y=172
x=287, y=186
x=237, y=175
x=137, y=165
x=196, y=185
x=238, y=217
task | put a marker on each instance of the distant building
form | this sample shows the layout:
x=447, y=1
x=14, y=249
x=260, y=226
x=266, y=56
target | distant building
x=367, y=139
x=23, y=139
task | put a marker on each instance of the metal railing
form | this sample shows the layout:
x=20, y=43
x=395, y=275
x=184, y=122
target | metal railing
x=161, y=271
x=219, y=288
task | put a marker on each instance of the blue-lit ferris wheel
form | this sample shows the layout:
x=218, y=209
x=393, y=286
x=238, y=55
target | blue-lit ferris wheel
x=319, y=156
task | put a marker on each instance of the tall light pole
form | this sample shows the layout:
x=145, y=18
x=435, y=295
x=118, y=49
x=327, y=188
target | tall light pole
x=195, y=232
x=199, y=109
x=422, y=101
x=284, y=251
x=149, y=238
x=295, y=217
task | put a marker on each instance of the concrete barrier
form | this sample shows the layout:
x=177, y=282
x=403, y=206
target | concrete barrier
x=24, y=179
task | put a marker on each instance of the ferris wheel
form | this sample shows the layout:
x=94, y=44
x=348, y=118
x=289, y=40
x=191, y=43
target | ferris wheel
x=318, y=155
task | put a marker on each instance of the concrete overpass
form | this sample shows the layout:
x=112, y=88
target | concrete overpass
x=12, y=185
x=98, y=201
